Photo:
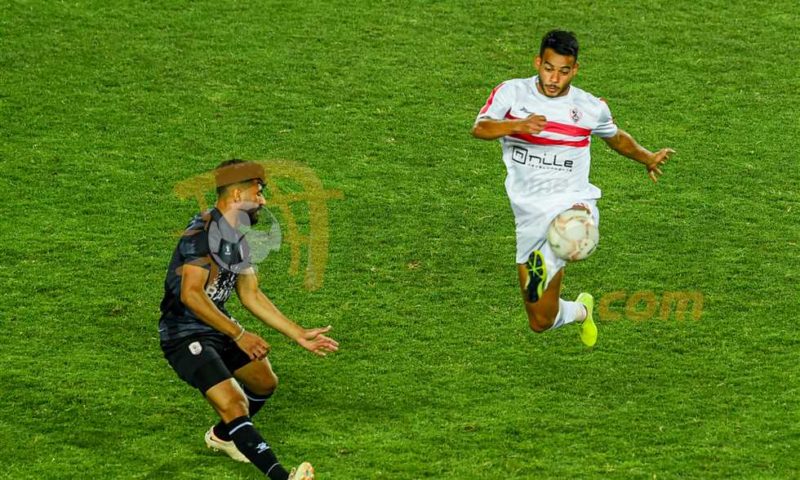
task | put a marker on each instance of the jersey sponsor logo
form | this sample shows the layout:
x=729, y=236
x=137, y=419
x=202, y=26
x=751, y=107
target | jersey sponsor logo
x=195, y=348
x=519, y=155
x=541, y=160
x=221, y=289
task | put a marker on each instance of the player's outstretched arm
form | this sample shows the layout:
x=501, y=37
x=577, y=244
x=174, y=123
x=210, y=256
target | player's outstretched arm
x=624, y=144
x=254, y=300
x=488, y=129
x=193, y=295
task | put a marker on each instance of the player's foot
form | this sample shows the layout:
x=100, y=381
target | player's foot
x=537, y=275
x=588, y=327
x=214, y=443
x=304, y=472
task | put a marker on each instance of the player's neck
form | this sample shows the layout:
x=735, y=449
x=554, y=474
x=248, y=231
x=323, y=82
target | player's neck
x=228, y=212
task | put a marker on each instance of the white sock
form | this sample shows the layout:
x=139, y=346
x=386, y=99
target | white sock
x=568, y=312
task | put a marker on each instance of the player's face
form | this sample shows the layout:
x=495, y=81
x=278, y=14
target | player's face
x=555, y=72
x=252, y=200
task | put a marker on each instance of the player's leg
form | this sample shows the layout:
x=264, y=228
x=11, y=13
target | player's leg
x=258, y=379
x=540, y=274
x=258, y=382
x=548, y=310
x=230, y=402
x=197, y=361
x=542, y=309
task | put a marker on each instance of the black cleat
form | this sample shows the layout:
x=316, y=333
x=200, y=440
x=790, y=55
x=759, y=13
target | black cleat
x=537, y=276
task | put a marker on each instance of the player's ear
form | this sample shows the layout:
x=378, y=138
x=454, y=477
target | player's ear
x=537, y=62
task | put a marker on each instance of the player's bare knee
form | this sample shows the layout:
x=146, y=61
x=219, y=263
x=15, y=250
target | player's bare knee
x=266, y=386
x=539, y=322
x=538, y=326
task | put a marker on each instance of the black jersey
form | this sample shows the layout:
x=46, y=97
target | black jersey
x=212, y=243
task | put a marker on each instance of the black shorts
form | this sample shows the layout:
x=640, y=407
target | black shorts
x=203, y=361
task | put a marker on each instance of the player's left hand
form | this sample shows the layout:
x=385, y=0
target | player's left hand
x=659, y=158
x=315, y=341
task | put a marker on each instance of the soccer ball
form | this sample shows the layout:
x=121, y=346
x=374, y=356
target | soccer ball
x=573, y=234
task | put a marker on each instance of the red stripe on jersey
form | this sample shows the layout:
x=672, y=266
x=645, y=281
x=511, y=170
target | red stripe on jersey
x=565, y=129
x=555, y=127
x=490, y=100
x=550, y=141
x=562, y=128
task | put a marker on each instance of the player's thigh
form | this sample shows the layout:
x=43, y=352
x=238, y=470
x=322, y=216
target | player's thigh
x=197, y=361
x=257, y=376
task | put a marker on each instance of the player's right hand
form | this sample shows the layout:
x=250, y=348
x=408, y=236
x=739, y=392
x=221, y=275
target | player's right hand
x=532, y=124
x=254, y=346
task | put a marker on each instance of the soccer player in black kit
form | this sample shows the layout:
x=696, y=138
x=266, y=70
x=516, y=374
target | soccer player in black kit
x=207, y=347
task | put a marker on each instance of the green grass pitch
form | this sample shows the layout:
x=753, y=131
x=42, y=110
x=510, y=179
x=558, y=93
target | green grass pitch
x=106, y=106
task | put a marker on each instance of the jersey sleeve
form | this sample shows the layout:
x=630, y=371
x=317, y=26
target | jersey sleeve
x=605, y=123
x=194, y=249
x=498, y=103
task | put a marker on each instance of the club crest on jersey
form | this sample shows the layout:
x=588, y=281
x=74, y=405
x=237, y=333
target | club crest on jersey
x=575, y=114
x=195, y=348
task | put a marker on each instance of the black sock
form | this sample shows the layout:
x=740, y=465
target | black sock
x=255, y=448
x=256, y=402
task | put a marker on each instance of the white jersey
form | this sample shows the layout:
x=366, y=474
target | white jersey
x=551, y=167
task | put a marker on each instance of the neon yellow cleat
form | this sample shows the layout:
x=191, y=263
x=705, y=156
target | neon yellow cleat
x=537, y=276
x=588, y=328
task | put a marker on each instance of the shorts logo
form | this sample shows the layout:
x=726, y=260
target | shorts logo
x=575, y=115
x=195, y=348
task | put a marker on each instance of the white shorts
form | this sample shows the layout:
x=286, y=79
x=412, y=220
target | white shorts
x=532, y=235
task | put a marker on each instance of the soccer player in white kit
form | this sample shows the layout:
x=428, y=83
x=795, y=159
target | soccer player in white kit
x=545, y=126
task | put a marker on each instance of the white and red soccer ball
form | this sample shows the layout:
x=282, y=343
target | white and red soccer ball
x=573, y=234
